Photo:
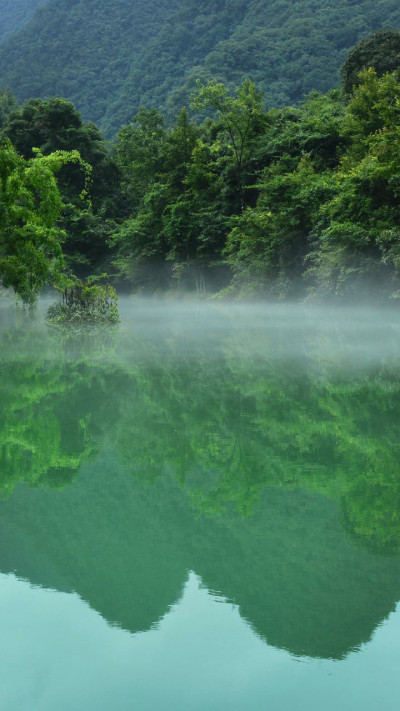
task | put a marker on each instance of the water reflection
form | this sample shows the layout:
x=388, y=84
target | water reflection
x=261, y=453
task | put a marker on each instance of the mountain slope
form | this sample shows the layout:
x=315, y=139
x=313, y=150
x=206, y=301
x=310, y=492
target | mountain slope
x=111, y=57
x=13, y=14
x=289, y=47
x=80, y=49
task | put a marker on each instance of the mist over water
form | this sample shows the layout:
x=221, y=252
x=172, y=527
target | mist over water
x=201, y=508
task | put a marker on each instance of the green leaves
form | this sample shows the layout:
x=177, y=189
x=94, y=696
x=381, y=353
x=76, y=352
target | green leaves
x=380, y=51
x=331, y=193
x=288, y=203
x=30, y=204
x=55, y=125
x=85, y=304
x=241, y=117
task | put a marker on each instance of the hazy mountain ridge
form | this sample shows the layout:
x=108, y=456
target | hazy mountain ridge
x=110, y=58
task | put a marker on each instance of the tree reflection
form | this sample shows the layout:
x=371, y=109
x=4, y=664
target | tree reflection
x=273, y=475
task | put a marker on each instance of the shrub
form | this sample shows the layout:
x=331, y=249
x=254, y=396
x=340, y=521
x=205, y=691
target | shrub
x=85, y=303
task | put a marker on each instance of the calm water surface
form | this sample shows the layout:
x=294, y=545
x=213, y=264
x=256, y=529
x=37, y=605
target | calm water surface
x=201, y=511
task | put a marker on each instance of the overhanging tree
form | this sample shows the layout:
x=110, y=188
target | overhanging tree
x=30, y=205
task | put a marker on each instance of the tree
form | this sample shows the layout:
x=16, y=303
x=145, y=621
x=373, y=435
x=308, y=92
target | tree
x=380, y=51
x=358, y=248
x=53, y=125
x=267, y=245
x=155, y=163
x=8, y=104
x=30, y=205
x=374, y=106
x=241, y=118
x=139, y=152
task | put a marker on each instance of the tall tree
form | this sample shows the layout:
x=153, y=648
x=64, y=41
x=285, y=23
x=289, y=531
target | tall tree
x=30, y=205
x=8, y=104
x=241, y=116
x=53, y=125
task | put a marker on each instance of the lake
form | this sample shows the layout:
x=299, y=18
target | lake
x=200, y=510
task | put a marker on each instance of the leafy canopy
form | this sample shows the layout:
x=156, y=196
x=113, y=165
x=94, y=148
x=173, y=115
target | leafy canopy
x=30, y=205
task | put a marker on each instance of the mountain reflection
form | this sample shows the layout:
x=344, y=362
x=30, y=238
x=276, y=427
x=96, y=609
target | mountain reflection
x=263, y=457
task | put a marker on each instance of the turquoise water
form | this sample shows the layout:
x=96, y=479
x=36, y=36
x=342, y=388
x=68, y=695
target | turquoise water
x=201, y=510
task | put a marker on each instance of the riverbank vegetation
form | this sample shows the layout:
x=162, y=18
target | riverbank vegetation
x=85, y=303
x=230, y=199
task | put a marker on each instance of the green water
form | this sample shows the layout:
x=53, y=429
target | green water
x=201, y=511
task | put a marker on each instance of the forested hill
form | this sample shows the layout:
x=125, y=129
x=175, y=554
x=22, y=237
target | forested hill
x=111, y=57
x=81, y=49
x=14, y=13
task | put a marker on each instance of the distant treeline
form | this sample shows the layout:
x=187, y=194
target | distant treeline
x=233, y=199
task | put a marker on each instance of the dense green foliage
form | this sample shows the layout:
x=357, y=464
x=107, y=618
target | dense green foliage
x=110, y=58
x=293, y=202
x=8, y=104
x=14, y=13
x=381, y=51
x=81, y=50
x=85, y=303
x=55, y=125
x=30, y=204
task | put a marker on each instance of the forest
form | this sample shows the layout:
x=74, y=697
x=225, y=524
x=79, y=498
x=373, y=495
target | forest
x=14, y=14
x=231, y=199
x=111, y=58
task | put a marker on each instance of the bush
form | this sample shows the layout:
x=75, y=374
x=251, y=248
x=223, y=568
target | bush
x=83, y=303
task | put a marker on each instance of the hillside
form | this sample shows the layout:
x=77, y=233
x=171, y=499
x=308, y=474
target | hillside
x=81, y=49
x=13, y=14
x=110, y=58
x=289, y=47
